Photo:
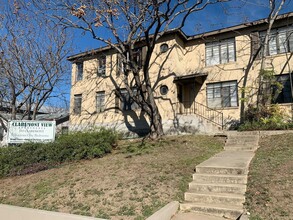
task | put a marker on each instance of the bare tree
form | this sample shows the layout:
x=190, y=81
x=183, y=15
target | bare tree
x=33, y=52
x=124, y=25
x=260, y=48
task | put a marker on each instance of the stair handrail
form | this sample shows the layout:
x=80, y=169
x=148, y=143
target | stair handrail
x=203, y=111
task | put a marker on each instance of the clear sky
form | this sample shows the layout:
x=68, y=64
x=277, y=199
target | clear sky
x=211, y=18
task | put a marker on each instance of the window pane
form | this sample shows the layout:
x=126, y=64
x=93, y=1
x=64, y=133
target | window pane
x=102, y=66
x=224, y=53
x=285, y=95
x=273, y=45
x=283, y=42
x=100, y=101
x=79, y=71
x=231, y=49
x=222, y=94
x=290, y=38
x=216, y=55
x=77, y=104
x=209, y=55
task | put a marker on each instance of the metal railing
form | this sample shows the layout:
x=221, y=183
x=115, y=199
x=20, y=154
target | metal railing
x=193, y=107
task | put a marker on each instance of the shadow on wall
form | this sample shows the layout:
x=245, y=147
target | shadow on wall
x=136, y=123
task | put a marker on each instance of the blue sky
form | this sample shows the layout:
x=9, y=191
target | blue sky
x=211, y=18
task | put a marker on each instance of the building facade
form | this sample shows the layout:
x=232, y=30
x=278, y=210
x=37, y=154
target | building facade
x=197, y=80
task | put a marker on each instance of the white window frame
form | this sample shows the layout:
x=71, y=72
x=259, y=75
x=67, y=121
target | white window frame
x=222, y=94
x=220, y=52
x=280, y=40
x=102, y=66
x=100, y=101
x=77, y=104
x=79, y=71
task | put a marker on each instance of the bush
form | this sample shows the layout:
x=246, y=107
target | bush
x=265, y=118
x=33, y=157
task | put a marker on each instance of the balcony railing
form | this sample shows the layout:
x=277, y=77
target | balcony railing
x=212, y=115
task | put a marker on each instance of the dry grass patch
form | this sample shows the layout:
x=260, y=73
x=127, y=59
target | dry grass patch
x=131, y=183
x=270, y=191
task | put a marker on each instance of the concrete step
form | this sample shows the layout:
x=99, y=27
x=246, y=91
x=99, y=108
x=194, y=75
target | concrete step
x=241, y=148
x=210, y=198
x=241, y=145
x=217, y=188
x=226, y=211
x=240, y=135
x=243, y=142
x=210, y=178
x=221, y=170
x=249, y=142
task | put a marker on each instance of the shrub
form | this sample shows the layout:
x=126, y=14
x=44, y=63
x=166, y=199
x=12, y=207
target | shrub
x=32, y=157
x=265, y=118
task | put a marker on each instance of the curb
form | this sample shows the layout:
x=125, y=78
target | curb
x=165, y=213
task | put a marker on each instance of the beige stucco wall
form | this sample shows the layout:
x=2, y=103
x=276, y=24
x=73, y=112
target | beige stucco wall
x=181, y=59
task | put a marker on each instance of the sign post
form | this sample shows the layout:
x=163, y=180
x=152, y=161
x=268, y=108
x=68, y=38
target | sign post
x=20, y=131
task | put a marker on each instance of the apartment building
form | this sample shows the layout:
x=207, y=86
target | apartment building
x=197, y=80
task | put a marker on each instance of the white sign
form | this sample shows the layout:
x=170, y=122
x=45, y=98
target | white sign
x=25, y=131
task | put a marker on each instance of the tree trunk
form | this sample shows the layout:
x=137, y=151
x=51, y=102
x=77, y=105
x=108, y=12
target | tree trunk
x=156, y=127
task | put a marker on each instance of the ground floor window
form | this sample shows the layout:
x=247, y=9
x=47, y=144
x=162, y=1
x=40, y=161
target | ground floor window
x=77, y=104
x=282, y=93
x=100, y=101
x=127, y=103
x=222, y=94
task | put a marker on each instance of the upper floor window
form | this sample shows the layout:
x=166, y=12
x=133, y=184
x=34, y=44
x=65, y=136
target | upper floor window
x=222, y=94
x=102, y=66
x=164, y=48
x=283, y=92
x=77, y=104
x=138, y=57
x=220, y=52
x=79, y=71
x=280, y=40
x=100, y=101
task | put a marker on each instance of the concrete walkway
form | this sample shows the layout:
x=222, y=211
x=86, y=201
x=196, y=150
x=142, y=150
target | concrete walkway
x=8, y=212
x=218, y=188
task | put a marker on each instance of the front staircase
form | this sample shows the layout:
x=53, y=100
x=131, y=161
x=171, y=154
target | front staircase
x=219, y=184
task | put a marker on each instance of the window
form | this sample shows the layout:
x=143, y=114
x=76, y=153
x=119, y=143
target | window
x=77, y=104
x=220, y=52
x=283, y=94
x=102, y=66
x=280, y=40
x=164, y=48
x=138, y=57
x=79, y=71
x=222, y=94
x=64, y=130
x=127, y=103
x=100, y=101
x=164, y=90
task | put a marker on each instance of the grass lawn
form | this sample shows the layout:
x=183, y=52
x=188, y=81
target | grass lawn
x=270, y=182
x=130, y=183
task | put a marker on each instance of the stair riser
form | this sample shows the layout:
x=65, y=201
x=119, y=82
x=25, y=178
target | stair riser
x=241, y=142
x=218, y=179
x=210, y=199
x=238, y=189
x=232, y=214
x=243, y=137
x=228, y=171
x=236, y=148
